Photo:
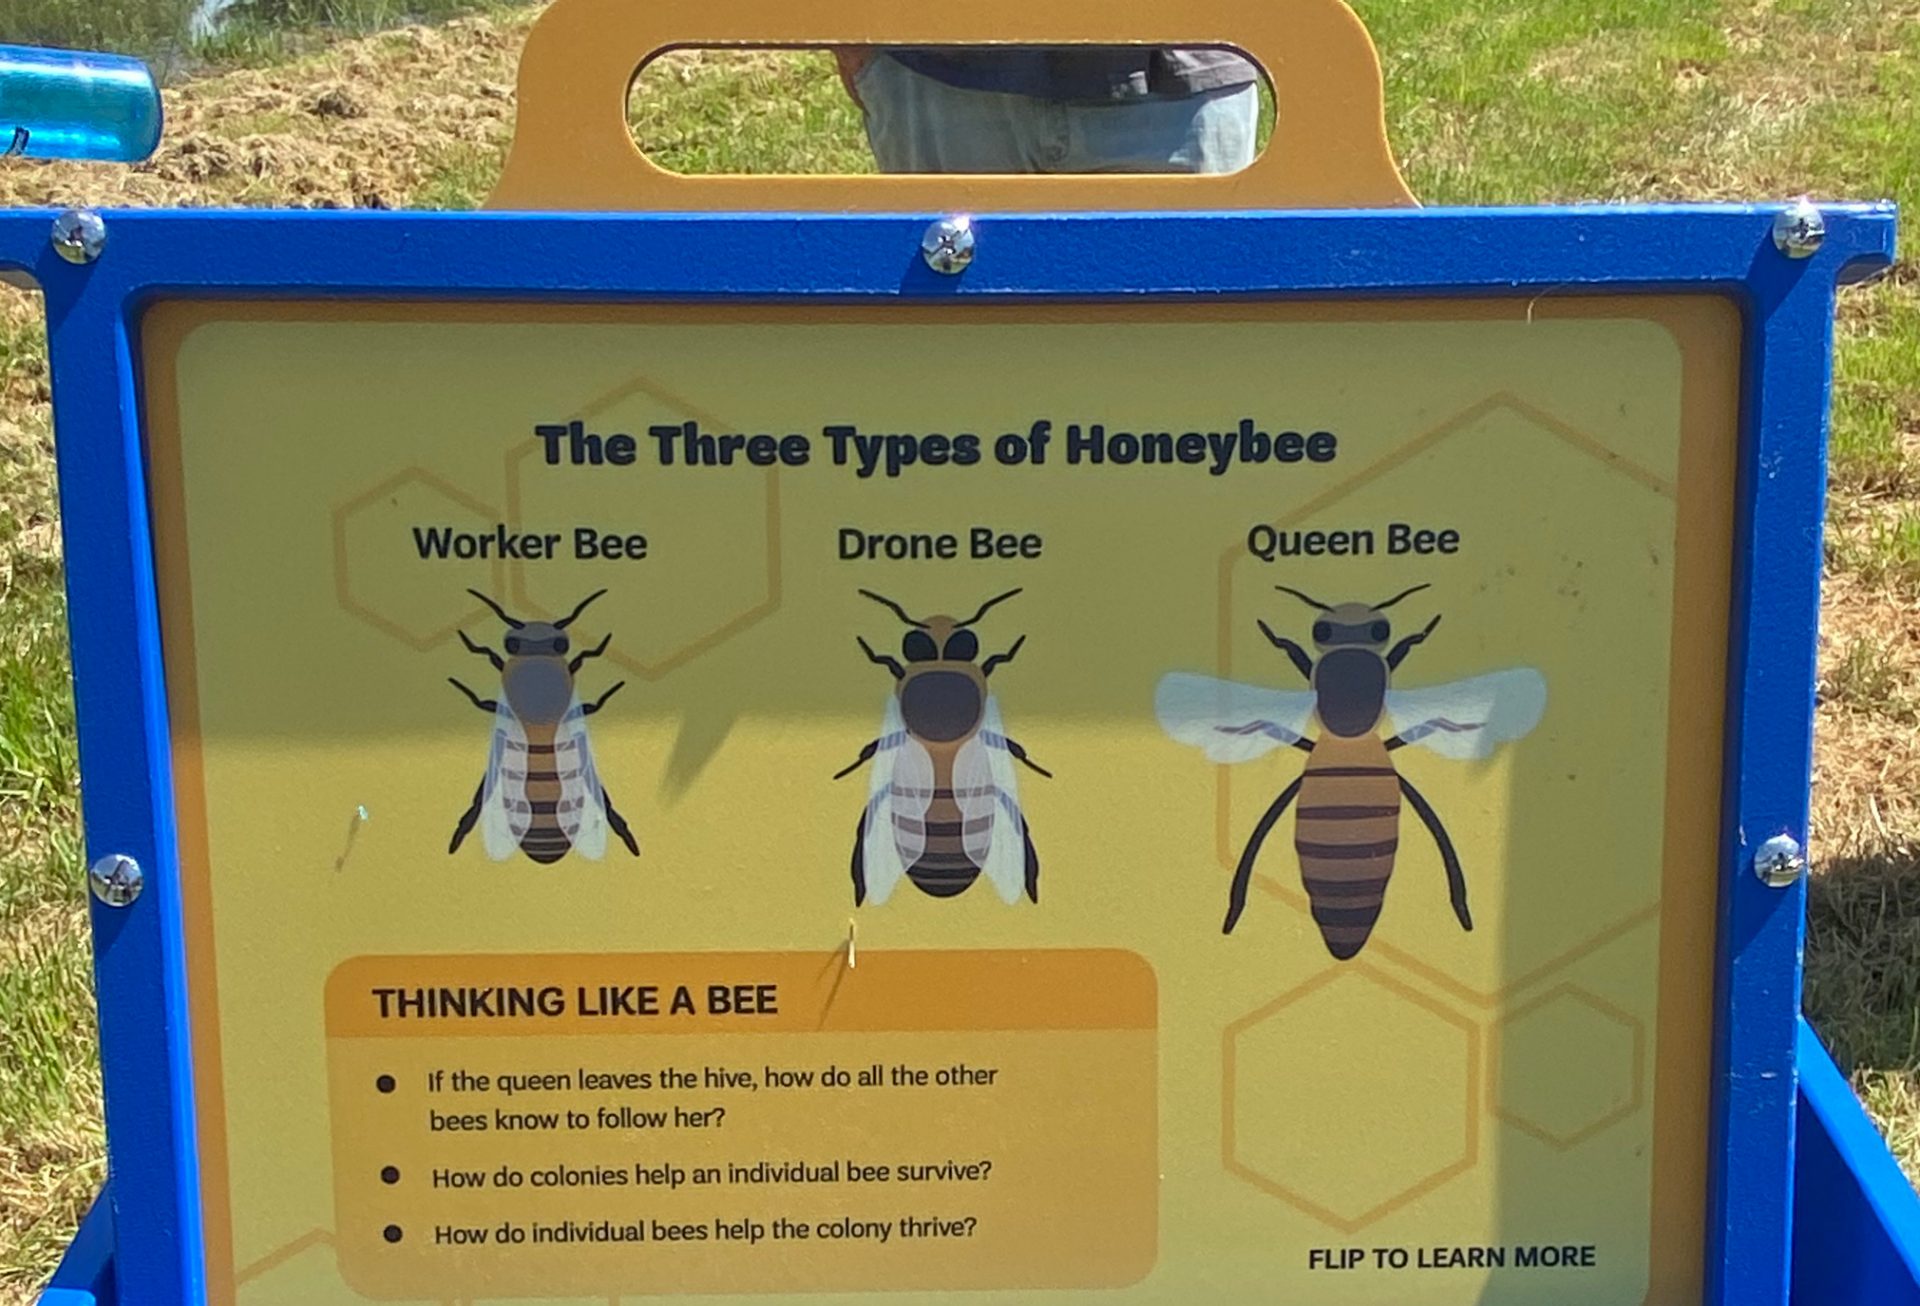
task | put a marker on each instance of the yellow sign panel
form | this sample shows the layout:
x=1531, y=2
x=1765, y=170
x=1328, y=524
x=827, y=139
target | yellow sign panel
x=1160, y=802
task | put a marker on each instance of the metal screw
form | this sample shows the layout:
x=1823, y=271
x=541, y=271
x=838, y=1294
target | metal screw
x=79, y=235
x=116, y=879
x=1779, y=862
x=948, y=245
x=1800, y=230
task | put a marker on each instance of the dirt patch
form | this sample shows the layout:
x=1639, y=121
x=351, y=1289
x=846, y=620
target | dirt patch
x=360, y=125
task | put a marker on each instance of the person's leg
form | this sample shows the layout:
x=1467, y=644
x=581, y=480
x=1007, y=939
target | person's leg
x=1215, y=131
x=916, y=123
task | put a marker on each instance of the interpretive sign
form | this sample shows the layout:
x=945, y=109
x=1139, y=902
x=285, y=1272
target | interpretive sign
x=740, y=808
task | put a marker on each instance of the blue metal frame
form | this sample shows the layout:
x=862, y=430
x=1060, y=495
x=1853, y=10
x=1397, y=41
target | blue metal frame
x=1727, y=250
x=1856, y=1219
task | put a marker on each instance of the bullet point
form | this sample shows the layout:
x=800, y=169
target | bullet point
x=393, y=1233
x=384, y=1083
x=390, y=1175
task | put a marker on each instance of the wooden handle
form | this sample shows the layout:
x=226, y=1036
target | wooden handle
x=572, y=149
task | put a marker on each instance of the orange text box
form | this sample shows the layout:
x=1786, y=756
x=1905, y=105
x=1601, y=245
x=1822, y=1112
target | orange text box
x=967, y=1119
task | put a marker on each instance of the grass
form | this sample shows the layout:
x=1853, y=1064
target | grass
x=150, y=28
x=50, y=1136
x=1508, y=101
x=254, y=33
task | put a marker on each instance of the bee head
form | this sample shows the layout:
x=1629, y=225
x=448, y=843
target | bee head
x=537, y=639
x=939, y=638
x=942, y=640
x=1351, y=625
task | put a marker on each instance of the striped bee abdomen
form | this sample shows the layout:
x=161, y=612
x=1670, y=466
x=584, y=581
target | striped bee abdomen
x=1346, y=831
x=545, y=841
x=944, y=869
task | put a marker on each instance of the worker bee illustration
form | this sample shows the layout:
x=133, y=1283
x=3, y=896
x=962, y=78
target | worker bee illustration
x=1347, y=827
x=541, y=793
x=942, y=806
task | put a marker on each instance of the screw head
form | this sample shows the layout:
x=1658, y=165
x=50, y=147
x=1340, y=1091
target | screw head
x=1800, y=230
x=79, y=235
x=948, y=245
x=116, y=879
x=1780, y=862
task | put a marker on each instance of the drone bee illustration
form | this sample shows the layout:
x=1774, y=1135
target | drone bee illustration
x=1347, y=826
x=541, y=793
x=942, y=807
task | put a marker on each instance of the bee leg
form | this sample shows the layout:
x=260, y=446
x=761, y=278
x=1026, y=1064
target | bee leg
x=1456, y=879
x=1291, y=649
x=881, y=659
x=600, y=702
x=866, y=755
x=483, y=651
x=574, y=666
x=1020, y=756
x=484, y=704
x=859, y=860
x=1237, y=897
x=1033, y=862
x=619, y=823
x=468, y=818
x=1000, y=659
x=1407, y=645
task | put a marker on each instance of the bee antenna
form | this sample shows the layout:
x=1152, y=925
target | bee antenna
x=575, y=614
x=983, y=609
x=497, y=610
x=898, y=611
x=1306, y=599
x=1382, y=607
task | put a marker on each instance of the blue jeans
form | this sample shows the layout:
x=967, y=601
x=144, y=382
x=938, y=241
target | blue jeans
x=918, y=124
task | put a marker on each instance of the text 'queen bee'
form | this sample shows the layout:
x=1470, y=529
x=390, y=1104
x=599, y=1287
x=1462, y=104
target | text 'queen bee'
x=1347, y=825
x=541, y=793
x=942, y=806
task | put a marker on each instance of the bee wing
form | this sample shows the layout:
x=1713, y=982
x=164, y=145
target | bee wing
x=1230, y=721
x=901, y=770
x=1470, y=718
x=505, y=813
x=993, y=828
x=581, y=810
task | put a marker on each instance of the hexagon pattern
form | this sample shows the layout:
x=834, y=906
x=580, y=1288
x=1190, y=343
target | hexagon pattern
x=662, y=616
x=1567, y=1066
x=1380, y=1091
x=286, y=1276
x=424, y=605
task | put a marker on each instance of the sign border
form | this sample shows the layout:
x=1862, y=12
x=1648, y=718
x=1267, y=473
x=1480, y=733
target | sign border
x=1787, y=304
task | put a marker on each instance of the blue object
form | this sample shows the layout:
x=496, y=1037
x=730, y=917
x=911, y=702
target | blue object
x=1856, y=1221
x=85, y=1276
x=1788, y=304
x=63, y=104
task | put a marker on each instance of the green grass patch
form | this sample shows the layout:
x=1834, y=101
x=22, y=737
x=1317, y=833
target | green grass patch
x=754, y=111
x=152, y=29
x=1883, y=551
x=1867, y=678
x=258, y=32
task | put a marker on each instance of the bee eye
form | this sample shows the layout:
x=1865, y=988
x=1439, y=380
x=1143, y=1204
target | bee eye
x=962, y=646
x=919, y=647
x=1322, y=631
x=560, y=645
x=513, y=644
x=1380, y=631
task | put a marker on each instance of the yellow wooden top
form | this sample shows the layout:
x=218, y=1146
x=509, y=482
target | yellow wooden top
x=572, y=149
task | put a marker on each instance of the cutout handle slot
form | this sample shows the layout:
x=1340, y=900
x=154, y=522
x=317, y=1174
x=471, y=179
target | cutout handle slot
x=572, y=151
